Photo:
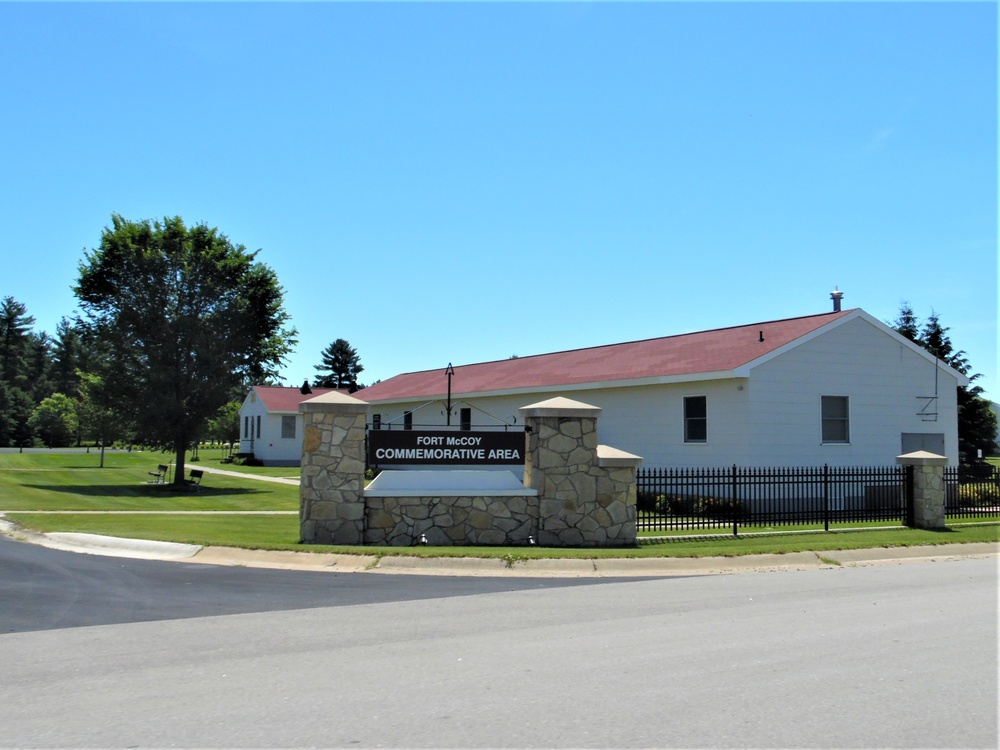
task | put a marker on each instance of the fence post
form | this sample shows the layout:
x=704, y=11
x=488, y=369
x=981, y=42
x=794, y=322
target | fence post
x=826, y=497
x=909, y=472
x=735, y=501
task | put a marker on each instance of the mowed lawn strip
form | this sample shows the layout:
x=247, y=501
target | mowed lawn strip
x=73, y=482
x=281, y=532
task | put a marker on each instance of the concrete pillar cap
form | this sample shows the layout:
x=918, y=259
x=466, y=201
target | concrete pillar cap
x=335, y=402
x=560, y=406
x=922, y=458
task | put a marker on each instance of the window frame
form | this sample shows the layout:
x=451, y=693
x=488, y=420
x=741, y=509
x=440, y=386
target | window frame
x=286, y=420
x=829, y=421
x=690, y=420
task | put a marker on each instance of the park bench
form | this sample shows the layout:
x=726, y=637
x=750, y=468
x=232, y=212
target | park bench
x=160, y=475
x=194, y=483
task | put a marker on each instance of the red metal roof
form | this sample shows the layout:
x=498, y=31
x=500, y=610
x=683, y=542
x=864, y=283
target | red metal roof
x=280, y=398
x=718, y=350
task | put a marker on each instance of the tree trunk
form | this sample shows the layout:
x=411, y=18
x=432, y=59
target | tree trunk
x=180, y=449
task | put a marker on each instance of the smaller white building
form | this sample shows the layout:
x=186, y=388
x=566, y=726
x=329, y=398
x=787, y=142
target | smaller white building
x=270, y=423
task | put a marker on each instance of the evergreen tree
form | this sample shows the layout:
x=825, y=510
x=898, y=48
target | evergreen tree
x=907, y=323
x=15, y=414
x=18, y=356
x=341, y=365
x=15, y=343
x=67, y=358
x=39, y=367
x=977, y=423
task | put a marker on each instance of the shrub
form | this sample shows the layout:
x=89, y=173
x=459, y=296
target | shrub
x=976, y=495
x=697, y=505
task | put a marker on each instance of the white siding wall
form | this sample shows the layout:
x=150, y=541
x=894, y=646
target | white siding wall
x=647, y=421
x=252, y=407
x=270, y=447
x=772, y=419
x=882, y=379
x=275, y=450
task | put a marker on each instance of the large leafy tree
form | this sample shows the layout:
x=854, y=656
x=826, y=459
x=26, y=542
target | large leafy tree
x=224, y=427
x=182, y=317
x=98, y=419
x=340, y=366
x=55, y=420
x=977, y=423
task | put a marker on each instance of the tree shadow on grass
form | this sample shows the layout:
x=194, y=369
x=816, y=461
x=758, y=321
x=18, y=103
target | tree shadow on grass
x=147, y=490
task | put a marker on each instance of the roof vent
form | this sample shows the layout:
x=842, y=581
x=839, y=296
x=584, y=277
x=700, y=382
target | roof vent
x=305, y=390
x=836, y=295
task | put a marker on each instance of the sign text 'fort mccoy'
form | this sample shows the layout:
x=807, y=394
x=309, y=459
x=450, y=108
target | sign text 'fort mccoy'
x=440, y=447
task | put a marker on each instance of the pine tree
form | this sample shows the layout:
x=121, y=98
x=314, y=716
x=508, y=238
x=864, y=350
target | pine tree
x=906, y=322
x=15, y=343
x=341, y=365
x=977, y=423
x=67, y=358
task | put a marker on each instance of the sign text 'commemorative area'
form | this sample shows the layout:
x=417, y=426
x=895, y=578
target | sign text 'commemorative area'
x=439, y=447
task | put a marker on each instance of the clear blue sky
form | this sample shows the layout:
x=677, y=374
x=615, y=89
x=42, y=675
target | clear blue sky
x=464, y=182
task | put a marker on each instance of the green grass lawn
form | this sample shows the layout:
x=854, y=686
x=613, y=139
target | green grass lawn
x=34, y=482
x=75, y=481
x=281, y=532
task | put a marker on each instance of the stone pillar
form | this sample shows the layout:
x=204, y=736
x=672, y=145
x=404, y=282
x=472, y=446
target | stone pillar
x=928, y=488
x=586, y=499
x=331, y=492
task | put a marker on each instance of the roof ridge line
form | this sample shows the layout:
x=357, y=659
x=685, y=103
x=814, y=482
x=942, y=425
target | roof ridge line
x=840, y=313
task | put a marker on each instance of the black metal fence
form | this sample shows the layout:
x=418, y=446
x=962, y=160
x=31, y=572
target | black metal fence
x=972, y=491
x=735, y=497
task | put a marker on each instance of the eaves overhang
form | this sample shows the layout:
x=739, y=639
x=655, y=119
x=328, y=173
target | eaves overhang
x=566, y=387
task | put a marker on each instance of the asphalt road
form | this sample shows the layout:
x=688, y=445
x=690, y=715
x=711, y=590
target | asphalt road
x=882, y=656
x=45, y=589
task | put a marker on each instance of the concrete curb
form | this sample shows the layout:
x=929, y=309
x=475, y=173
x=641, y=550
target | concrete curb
x=511, y=566
x=143, y=549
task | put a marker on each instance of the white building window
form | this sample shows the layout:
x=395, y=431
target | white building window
x=288, y=427
x=836, y=419
x=695, y=419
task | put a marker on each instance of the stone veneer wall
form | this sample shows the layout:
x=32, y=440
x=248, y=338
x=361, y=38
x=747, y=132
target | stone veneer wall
x=331, y=491
x=479, y=520
x=586, y=493
x=586, y=499
x=928, y=488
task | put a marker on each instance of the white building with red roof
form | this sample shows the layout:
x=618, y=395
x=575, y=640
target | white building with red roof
x=840, y=388
x=270, y=423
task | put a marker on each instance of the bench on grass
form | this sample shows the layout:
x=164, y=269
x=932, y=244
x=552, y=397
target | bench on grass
x=194, y=483
x=160, y=475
